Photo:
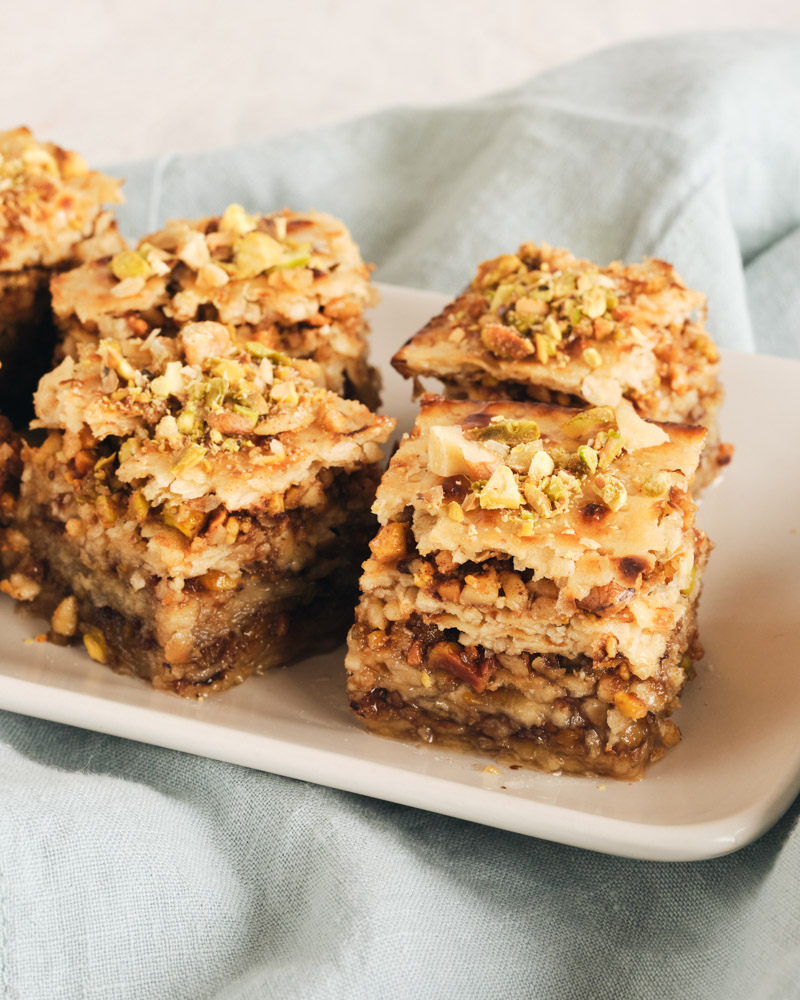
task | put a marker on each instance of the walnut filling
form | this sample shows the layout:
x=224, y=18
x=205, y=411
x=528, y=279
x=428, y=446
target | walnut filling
x=417, y=680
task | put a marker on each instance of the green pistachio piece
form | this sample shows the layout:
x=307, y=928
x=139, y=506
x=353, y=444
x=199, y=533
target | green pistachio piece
x=589, y=421
x=656, y=484
x=613, y=493
x=187, y=520
x=551, y=329
x=297, y=258
x=588, y=457
x=511, y=432
x=246, y=411
x=611, y=449
x=187, y=420
x=129, y=264
x=593, y=302
x=189, y=457
x=554, y=488
x=592, y=357
x=215, y=392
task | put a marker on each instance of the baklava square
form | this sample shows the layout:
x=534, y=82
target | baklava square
x=199, y=508
x=532, y=591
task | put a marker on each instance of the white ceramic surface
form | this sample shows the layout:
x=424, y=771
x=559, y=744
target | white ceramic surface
x=734, y=774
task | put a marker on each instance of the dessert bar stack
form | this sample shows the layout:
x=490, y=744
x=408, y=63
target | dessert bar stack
x=292, y=282
x=541, y=324
x=198, y=508
x=51, y=218
x=532, y=590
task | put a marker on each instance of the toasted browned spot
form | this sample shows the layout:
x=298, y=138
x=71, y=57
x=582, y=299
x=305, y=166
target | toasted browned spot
x=630, y=568
x=477, y=419
x=455, y=488
x=594, y=513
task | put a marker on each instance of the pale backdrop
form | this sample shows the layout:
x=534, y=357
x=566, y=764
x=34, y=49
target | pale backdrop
x=122, y=79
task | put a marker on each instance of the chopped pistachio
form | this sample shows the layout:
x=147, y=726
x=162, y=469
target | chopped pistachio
x=687, y=591
x=454, y=511
x=246, y=411
x=543, y=289
x=593, y=302
x=511, y=432
x=235, y=220
x=189, y=457
x=284, y=393
x=551, y=329
x=501, y=491
x=117, y=363
x=592, y=357
x=553, y=488
x=296, y=258
x=230, y=370
x=542, y=465
x=613, y=443
x=588, y=457
x=542, y=352
x=498, y=269
x=503, y=294
x=588, y=421
x=656, y=484
x=525, y=528
x=537, y=499
x=130, y=264
x=170, y=383
x=520, y=457
x=613, y=493
x=187, y=520
x=255, y=253
x=259, y=350
x=215, y=392
x=187, y=420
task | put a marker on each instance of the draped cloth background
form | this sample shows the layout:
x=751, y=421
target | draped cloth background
x=127, y=871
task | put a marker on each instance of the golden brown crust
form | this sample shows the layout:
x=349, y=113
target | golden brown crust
x=293, y=282
x=543, y=324
x=51, y=204
x=533, y=587
x=191, y=495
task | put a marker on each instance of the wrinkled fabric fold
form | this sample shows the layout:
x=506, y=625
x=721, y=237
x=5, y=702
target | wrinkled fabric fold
x=129, y=871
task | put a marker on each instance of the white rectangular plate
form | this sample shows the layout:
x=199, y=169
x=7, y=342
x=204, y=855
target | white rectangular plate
x=732, y=777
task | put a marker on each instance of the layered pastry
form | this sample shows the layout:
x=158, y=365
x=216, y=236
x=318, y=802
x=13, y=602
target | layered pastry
x=52, y=216
x=198, y=509
x=532, y=591
x=541, y=324
x=292, y=282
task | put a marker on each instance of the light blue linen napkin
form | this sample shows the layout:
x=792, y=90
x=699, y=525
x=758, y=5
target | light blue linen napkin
x=127, y=871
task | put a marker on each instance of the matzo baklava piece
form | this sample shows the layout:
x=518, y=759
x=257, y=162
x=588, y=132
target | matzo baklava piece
x=199, y=510
x=293, y=282
x=51, y=217
x=541, y=324
x=532, y=591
